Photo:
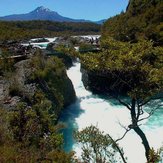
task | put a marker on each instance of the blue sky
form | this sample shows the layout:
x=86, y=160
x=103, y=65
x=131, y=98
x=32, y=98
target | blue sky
x=80, y=9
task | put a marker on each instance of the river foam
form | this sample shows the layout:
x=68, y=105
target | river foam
x=109, y=117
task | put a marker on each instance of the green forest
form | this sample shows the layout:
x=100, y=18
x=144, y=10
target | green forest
x=142, y=20
x=128, y=65
x=32, y=133
x=131, y=61
x=24, y=30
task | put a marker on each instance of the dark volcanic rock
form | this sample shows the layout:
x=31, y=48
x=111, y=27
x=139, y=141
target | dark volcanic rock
x=102, y=82
x=68, y=92
x=4, y=89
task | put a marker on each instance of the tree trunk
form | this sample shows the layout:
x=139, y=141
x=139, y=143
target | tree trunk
x=137, y=129
x=144, y=141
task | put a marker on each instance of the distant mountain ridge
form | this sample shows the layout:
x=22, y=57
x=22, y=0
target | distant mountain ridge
x=101, y=21
x=42, y=13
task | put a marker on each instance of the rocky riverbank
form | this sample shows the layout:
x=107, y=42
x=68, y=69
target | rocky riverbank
x=103, y=82
x=28, y=78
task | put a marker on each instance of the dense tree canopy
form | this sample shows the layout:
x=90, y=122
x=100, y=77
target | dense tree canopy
x=98, y=147
x=131, y=62
x=142, y=20
x=139, y=65
x=30, y=29
x=133, y=69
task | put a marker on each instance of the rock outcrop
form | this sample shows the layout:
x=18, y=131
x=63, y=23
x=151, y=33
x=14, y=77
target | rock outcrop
x=103, y=82
x=19, y=87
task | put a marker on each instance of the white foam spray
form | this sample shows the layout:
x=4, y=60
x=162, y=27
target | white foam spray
x=92, y=110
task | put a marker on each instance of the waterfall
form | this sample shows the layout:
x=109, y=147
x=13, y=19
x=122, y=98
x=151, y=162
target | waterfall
x=108, y=116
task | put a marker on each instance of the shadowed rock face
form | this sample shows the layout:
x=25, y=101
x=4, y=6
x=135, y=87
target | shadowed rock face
x=4, y=85
x=103, y=82
x=94, y=81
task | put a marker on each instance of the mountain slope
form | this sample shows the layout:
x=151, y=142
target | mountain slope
x=143, y=19
x=41, y=13
x=101, y=21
